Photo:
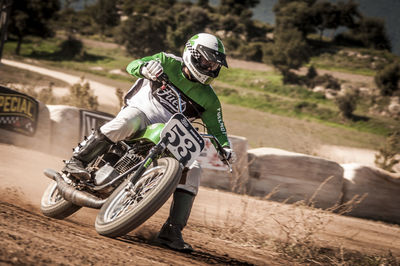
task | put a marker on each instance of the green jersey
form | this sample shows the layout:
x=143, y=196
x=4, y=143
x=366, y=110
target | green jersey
x=199, y=100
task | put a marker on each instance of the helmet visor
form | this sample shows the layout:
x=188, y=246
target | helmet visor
x=212, y=55
x=205, y=67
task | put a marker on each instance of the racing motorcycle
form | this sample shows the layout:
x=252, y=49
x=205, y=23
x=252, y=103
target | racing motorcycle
x=133, y=178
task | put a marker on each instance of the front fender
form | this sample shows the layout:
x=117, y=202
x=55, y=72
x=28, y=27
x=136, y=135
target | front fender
x=151, y=132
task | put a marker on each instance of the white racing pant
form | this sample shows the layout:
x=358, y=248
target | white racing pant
x=130, y=120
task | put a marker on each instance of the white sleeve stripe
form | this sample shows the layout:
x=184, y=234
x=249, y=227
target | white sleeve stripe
x=173, y=56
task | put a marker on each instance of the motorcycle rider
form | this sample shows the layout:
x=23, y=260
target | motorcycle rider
x=146, y=103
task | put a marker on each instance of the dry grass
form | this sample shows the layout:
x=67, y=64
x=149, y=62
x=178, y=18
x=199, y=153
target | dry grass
x=293, y=232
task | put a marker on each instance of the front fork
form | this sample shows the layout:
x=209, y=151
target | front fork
x=153, y=154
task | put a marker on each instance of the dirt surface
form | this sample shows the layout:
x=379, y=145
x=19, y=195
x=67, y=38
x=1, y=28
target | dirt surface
x=224, y=229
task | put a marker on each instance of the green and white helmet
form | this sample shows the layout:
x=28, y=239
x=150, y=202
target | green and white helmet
x=204, y=55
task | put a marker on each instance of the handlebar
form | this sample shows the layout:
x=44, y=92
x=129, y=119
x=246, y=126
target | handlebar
x=163, y=78
x=219, y=149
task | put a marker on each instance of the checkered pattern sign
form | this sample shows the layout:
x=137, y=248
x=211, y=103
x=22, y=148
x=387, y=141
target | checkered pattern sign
x=8, y=120
x=18, y=112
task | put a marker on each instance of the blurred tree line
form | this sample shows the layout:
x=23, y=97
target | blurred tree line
x=147, y=27
x=298, y=20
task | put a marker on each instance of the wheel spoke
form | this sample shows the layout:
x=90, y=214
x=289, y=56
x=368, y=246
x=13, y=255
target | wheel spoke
x=130, y=197
x=55, y=195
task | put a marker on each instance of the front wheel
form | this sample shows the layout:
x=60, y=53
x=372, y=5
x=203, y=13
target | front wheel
x=130, y=205
x=54, y=205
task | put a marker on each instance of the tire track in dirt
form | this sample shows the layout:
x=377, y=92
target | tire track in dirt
x=197, y=255
x=30, y=238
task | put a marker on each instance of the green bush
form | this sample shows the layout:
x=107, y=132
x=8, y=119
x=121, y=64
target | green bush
x=388, y=79
x=326, y=80
x=386, y=158
x=311, y=73
x=72, y=49
x=305, y=106
x=347, y=103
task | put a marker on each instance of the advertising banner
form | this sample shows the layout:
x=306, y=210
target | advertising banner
x=90, y=120
x=18, y=112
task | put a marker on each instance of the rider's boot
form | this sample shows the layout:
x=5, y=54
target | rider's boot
x=94, y=145
x=171, y=232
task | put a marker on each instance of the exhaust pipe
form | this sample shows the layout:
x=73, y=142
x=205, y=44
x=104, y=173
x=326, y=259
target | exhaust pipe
x=73, y=195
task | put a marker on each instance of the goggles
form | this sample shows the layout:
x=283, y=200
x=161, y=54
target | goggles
x=208, y=65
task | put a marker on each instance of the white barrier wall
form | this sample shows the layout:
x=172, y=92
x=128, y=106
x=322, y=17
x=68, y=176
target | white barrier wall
x=382, y=190
x=216, y=175
x=293, y=177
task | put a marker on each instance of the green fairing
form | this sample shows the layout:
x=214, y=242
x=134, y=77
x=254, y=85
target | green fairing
x=151, y=133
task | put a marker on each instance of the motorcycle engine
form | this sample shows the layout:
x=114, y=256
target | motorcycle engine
x=114, y=168
x=105, y=174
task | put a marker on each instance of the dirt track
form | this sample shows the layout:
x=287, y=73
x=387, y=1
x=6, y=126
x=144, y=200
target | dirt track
x=30, y=238
x=224, y=228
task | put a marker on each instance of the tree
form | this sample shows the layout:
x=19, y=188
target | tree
x=238, y=8
x=144, y=32
x=187, y=22
x=203, y=4
x=325, y=16
x=387, y=79
x=143, y=35
x=372, y=33
x=149, y=7
x=5, y=10
x=311, y=15
x=235, y=18
x=67, y=19
x=347, y=103
x=105, y=14
x=32, y=18
x=290, y=51
x=349, y=14
x=295, y=14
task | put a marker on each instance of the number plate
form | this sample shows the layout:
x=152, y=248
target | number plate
x=185, y=143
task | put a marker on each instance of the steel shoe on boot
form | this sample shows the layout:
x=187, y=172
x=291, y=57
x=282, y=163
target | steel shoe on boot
x=171, y=236
x=76, y=168
x=97, y=143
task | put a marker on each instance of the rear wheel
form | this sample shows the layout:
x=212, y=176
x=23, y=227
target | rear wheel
x=132, y=204
x=54, y=205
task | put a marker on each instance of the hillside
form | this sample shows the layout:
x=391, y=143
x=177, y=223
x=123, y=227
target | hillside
x=261, y=129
